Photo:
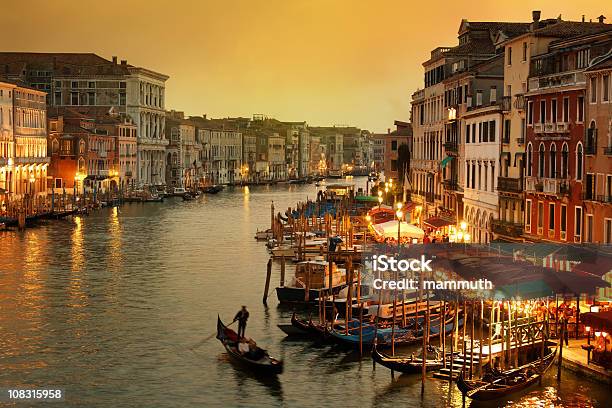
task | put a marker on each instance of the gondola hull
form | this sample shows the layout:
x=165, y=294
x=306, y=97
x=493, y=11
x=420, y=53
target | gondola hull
x=406, y=365
x=483, y=391
x=259, y=361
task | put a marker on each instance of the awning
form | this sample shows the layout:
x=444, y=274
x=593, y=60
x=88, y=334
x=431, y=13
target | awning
x=525, y=290
x=389, y=230
x=600, y=321
x=438, y=222
x=446, y=160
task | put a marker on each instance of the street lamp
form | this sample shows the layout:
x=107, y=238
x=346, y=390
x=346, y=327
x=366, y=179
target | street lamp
x=380, y=200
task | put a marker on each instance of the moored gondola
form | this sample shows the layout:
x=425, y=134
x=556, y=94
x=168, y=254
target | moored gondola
x=412, y=364
x=257, y=359
x=498, y=385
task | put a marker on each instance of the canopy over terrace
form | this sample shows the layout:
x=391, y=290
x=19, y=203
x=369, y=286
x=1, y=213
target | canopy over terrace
x=511, y=277
x=389, y=230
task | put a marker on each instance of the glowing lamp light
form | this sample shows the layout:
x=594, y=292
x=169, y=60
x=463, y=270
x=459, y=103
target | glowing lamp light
x=463, y=225
x=399, y=214
x=368, y=218
x=588, y=328
x=379, y=193
x=605, y=334
x=399, y=206
x=467, y=237
x=380, y=200
x=459, y=236
x=386, y=189
x=595, y=309
x=597, y=334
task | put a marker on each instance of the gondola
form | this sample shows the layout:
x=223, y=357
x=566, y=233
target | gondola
x=494, y=386
x=409, y=365
x=214, y=189
x=257, y=359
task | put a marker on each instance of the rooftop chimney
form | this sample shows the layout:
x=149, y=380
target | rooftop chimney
x=601, y=19
x=123, y=62
x=388, y=130
x=535, y=14
x=114, y=59
x=583, y=18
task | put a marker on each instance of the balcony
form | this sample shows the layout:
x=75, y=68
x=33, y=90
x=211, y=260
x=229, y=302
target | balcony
x=563, y=127
x=451, y=147
x=506, y=103
x=552, y=186
x=601, y=198
x=590, y=149
x=608, y=151
x=507, y=229
x=538, y=128
x=519, y=101
x=556, y=80
x=509, y=185
x=452, y=185
x=520, y=140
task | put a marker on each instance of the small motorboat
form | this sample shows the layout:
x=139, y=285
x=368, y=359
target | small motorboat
x=188, y=197
x=214, y=189
x=256, y=359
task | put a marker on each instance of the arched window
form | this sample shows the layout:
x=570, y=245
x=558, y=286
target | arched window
x=579, y=161
x=81, y=165
x=529, y=158
x=591, y=139
x=541, y=160
x=81, y=146
x=553, y=161
x=564, y=160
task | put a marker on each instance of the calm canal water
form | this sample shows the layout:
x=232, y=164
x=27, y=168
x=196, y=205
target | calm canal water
x=109, y=306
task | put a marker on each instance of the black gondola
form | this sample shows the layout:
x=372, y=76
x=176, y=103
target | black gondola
x=500, y=385
x=409, y=365
x=257, y=359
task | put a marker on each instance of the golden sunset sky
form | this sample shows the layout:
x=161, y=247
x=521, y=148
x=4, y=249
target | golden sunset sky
x=328, y=62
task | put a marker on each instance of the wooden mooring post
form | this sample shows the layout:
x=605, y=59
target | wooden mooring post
x=267, y=287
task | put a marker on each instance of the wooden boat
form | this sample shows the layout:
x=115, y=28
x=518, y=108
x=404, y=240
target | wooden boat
x=409, y=365
x=500, y=385
x=188, y=197
x=314, y=277
x=263, y=235
x=257, y=359
x=214, y=189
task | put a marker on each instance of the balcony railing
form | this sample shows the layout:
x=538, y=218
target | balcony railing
x=519, y=101
x=507, y=229
x=450, y=146
x=509, y=185
x=452, y=185
x=590, y=149
x=602, y=198
x=555, y=80
x=554, y=186
x=559, y=127
x=506, y=103
x=520, y=140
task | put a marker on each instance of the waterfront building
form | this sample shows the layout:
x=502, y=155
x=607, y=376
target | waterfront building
x=332, y=142
x=222, y=148
x=183, y=151
x=482, y=148
x=84, y=152
x=277, y=168
x=598, y=147
x=297, y=149
x=317, y=164
x=23, y=143
x=451, y=82
x=83, y=80
x=556, y=147
x=397, y=145
x=378, y=150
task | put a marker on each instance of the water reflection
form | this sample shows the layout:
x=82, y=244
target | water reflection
x=108, y=306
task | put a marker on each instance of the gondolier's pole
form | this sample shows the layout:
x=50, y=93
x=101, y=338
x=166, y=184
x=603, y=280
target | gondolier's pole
x=543, y=337
x=481, y=342
x=267, y=287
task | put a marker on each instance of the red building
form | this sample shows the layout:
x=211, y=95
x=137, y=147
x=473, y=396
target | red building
x=555, y=147
x=84, y=153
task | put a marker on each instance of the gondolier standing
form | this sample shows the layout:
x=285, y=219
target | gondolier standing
x=242, y=316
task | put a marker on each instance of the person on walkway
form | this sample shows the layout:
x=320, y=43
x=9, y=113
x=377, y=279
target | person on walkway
x=242, y=316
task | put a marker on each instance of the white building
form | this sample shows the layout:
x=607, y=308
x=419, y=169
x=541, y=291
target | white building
x=145, y=104
x=482, y=152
